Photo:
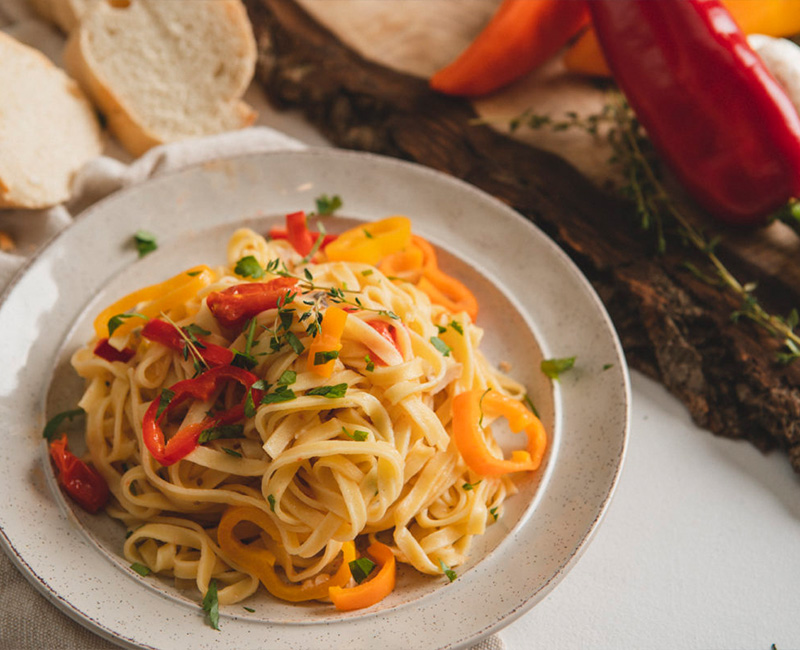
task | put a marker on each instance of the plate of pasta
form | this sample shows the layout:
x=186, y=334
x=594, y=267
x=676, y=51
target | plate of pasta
x=305, y=399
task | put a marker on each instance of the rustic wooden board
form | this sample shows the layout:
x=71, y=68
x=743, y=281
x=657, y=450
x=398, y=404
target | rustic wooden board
x=673, y=326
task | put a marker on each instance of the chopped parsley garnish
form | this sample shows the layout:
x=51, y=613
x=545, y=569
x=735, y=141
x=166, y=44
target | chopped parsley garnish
x=145, y=242
x=327, y=205
x=281, y=394
x=221, y=431
x=248, y=609
x=367, y=272
x=141, y=569
x=470, y=486
x=493, y=512
x=211, y=604
x=480, y=407
x=248, y=267
x=231, y=452
x=287, y=378
x=441, y=346
x=331, y=392
x=192, y=274
x=457, y=326
x=295, y=343
x=554, y=367
x=271, y=500
x=361, y=568
x=526, y=398
x=115, y=321
x=163, y=401
x=193, y=330
x=441, y=329
x=368, y=234
x=249, y=405
x=51, y=428
x=451, y=575
x=370, y=363
x=357, y=435
x=321, y=358
x=607, y=366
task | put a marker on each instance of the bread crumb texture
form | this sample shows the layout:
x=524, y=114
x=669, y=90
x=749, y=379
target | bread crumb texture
x=48, y=129
x=165, y=71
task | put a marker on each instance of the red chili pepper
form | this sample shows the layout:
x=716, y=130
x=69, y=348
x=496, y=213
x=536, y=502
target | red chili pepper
x=710, y=106
x=84, y=484
x=164, y=333
x=106, y=351
x=233, y=306
x=199, y=388
x=298, y=234
x=387, y=331
x=521, y=36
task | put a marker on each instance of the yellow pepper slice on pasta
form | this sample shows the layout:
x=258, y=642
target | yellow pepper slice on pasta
x=324, y=349
x=371, y=242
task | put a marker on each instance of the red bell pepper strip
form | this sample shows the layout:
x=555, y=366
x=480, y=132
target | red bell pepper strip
x=298, y=234
x=710, y=106
x=106, y=351
x=521, y=36
x=82, y=482
x=236, y=304
x=198, y=388
x=387, y=331
x=164, y=333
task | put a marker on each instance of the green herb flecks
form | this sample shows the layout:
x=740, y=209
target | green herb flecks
x=357, y=434
x=211, y=604
x=327, y=205
x=141, y=569
x=163, y=401
x=321, y=358
x=145, y=242
x=451, y=575
x=331, y=392
x=470, y=486
x=281, y=394
x=553, y=368
x=370, y=364
x=115, y=321
x=248, y=267
x=271, y=501
x=231, y=452
x=440, y=345
x=53, y=424
x=361, y=568
x=221, y=431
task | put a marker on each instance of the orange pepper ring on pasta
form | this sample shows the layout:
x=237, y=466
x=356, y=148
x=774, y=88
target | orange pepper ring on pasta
x=469, y=438
x=261, y=562
x=374, y=589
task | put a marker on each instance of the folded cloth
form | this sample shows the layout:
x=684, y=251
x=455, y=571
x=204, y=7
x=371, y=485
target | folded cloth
x=48, y=627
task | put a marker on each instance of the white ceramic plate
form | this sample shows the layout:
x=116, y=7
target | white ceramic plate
x=534, y=304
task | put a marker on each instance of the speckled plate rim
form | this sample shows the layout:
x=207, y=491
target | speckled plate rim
x=592, y=401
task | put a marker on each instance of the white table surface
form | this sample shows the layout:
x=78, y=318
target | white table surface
x=699, y=549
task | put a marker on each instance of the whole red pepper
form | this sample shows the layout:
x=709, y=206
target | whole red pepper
x=84, y=484
x=236, y=304
x=199, y=388
x=710, y=106
x=162, y=332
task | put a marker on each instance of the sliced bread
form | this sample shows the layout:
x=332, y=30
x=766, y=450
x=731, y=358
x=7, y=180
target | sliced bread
x=48, y=128
x=165, y=71
x=64, y=13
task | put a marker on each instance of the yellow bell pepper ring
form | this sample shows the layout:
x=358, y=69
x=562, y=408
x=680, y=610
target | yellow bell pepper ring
x=469, y=438
x=371, y=242
x=260, y=562
x=324, y=349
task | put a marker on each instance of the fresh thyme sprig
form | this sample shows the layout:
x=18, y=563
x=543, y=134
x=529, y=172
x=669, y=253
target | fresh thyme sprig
x=190, y=340
x=634, y=158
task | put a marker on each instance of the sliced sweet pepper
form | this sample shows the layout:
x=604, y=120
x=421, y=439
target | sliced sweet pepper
x=106, y=351
x=371, y=242
x=239, y=303
x=261, y=562
x=199, y=388
x=441, y=288
x=82, y=482
x=469, y=437
x=325, y=346
x=374, y=589
x=521, y=36
x=162, y=332
x=159, y=298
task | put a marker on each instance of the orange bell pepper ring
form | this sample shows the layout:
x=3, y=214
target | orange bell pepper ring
x=371, y=242
x=160, y=297
x=468, y=434
x=324, y=349
x=374, y=589
x=261, y=562
x=441, y=288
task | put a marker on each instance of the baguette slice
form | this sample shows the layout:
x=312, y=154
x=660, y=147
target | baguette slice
x=165, y=71
x=64, y=13
x=48, y=129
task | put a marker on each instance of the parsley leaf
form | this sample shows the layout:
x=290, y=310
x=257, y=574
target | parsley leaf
x=297, y=346
x=357, y=435
x=330, y=392
x=281, y=394
x=163, y=401
x=145, y=242
x=248, y=609
x=554, y=367
x=51, y=428
x=287, y=378
x=221, y=431
x=451, y=575
x=231, y=452
x=328, y=205
x=370, y=364
x=321, y=358
x=249, y=405
x=211, y=604
x=441, y=346
x=141, y=569
x=493, y=512
x=361, y=568
x=530, y=404
x=457, y=326
x=271, y=499
x=115, y=321
x=261, y=384
x=248, y=267
x=470, y=486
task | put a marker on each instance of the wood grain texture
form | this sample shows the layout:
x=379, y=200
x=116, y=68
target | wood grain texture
x=673, y=326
